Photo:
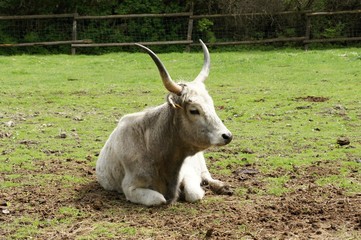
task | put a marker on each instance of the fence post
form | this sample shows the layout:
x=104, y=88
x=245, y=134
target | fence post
x=308, y=30
x=74, y=32
x=190, y=27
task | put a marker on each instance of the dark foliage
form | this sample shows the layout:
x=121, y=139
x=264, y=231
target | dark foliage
x=248, y=27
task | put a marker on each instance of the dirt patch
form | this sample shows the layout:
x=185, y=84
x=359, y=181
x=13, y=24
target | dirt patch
x=312, y=99
x=308, y=211
x=304, y=214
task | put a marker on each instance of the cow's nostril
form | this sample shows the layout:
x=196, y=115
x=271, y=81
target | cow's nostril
x=227, y=137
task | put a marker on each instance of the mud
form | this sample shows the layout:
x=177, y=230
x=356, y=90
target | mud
x=307, y=211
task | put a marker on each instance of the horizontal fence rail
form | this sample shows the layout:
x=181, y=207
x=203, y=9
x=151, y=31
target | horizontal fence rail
x=179, y=28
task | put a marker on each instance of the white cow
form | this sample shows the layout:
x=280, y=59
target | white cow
x=154, y=155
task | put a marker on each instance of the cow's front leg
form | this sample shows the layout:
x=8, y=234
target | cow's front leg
x=215, y=185
x=192, y=186
x=219, y=187
x=141, y=195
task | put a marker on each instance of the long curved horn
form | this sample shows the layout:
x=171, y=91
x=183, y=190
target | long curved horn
x=169, y=84
x=202, y=76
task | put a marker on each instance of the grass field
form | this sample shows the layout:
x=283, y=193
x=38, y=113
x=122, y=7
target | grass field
x=292, y=170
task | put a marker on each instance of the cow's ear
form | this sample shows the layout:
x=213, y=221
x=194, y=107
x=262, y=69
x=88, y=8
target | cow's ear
x=170, y=100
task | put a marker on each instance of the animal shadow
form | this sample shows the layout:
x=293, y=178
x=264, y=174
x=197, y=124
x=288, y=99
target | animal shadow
x=92, y=195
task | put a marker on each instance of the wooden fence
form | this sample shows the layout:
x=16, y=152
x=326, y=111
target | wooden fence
x=216, y=33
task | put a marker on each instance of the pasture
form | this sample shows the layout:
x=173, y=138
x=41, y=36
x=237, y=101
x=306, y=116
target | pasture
x=294, y=164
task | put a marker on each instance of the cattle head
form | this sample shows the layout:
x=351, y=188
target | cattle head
x=195, y=115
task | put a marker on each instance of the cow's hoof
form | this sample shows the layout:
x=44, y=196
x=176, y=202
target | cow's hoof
x=221, y=189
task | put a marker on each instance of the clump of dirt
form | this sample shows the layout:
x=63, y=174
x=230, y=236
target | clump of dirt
x=342, y=141
x=5, y=134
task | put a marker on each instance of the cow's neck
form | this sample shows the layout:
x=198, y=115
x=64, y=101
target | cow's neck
x=172, y=150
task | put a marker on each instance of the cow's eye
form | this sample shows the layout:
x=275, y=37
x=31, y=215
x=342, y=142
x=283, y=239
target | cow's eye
x=194, y=112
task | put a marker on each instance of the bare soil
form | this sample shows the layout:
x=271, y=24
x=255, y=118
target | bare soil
x=312, y=99
x=309, y=211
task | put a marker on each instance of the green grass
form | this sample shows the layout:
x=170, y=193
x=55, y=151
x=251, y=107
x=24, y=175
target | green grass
x=257, y=94
x=276, y=185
